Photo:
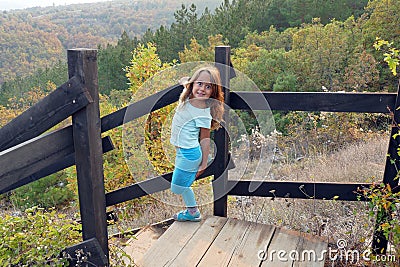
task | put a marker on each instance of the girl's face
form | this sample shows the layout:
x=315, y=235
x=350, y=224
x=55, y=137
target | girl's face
x=202, y=88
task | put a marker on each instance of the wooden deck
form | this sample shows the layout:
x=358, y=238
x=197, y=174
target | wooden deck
x=218, y=241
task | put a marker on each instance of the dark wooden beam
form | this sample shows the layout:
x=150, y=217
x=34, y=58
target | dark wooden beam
x=315, y=101
x=303, y=190
x=141, y=108
x=30, y=157
x=52, y=109
x=139, y=189
x=90, y=249
x=147, y=187
x=66, y=162
x=86, y=125
x=221, y=136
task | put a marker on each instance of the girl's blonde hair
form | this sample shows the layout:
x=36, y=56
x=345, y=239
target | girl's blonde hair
x=216, y=107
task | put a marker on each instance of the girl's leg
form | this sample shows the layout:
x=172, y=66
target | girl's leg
x=186, y=166
x=181, y=182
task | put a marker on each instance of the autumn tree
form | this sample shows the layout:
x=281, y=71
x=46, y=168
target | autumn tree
x=362, y=73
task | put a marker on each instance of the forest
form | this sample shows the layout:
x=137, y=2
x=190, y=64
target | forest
x=36, y=38
x=335, y=37
x=281, y=45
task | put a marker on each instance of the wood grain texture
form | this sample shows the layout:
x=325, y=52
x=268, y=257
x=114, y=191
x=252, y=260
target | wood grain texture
x=51, y=167
x=199, y=243
x=30, y=157
x=86, y=127
x=48, y=112
x=220, y=241
x=223, y=247
x=256, y=238
x=170, y=244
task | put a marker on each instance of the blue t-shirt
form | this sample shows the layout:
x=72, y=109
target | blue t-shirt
x=186, y=125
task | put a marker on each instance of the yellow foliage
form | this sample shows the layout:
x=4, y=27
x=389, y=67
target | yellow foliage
x=197, y=52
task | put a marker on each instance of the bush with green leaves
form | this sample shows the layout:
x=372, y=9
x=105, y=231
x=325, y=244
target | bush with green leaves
x=36, y=238
x=47, y=192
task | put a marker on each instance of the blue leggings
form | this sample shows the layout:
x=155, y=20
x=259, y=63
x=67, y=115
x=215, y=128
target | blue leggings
x=187, y=163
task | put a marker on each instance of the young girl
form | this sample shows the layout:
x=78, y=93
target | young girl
x=200, y=109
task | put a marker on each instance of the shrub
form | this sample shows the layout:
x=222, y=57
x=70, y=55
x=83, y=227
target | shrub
x=385, y=205
x=36, y=238
x=47, y=192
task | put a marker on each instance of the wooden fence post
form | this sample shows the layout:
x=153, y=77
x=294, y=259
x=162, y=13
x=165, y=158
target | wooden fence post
x=86, y=125
x=379, y=241
x=223, y=60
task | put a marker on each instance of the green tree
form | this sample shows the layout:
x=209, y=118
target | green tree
x=270, y=39
x=382, y=21
x=285, y=82
x=57, y=74
x=318, y=55
x=267, y=67
x=112, y=61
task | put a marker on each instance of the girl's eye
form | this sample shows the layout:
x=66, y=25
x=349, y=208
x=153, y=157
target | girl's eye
x=208, y=87
x=199, y=83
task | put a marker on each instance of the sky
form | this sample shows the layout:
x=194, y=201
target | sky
x=19, y=4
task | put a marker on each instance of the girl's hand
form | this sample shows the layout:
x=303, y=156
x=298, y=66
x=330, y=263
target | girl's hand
x=205, y=149
x=201, y=170
x=184, y=80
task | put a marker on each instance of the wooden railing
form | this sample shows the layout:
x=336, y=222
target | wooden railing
x=27, y=156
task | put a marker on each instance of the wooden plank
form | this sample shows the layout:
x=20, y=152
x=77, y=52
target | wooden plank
x=257, y=237
x=221, y=137
x=170, y=244
x=89, y=248
x=139, y=189
x=303, y=190
x=150, y=186
x=312, y=251
x=279, y=251
x=141, y=243
x=30, y=157
x=66, y=162
x=224, y=246
x=86, y=127
x=141, y=107
x=315, y=101
x=52, y=109
x=199, y=243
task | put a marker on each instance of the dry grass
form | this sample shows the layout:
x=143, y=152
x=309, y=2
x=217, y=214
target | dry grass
x=359, y=162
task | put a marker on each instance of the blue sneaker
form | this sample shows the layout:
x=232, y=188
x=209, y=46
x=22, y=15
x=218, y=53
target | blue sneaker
x=185, y=216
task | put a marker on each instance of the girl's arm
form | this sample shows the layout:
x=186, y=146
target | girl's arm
x=205, y=149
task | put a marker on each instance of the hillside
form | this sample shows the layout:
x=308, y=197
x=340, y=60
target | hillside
x=36, y=37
